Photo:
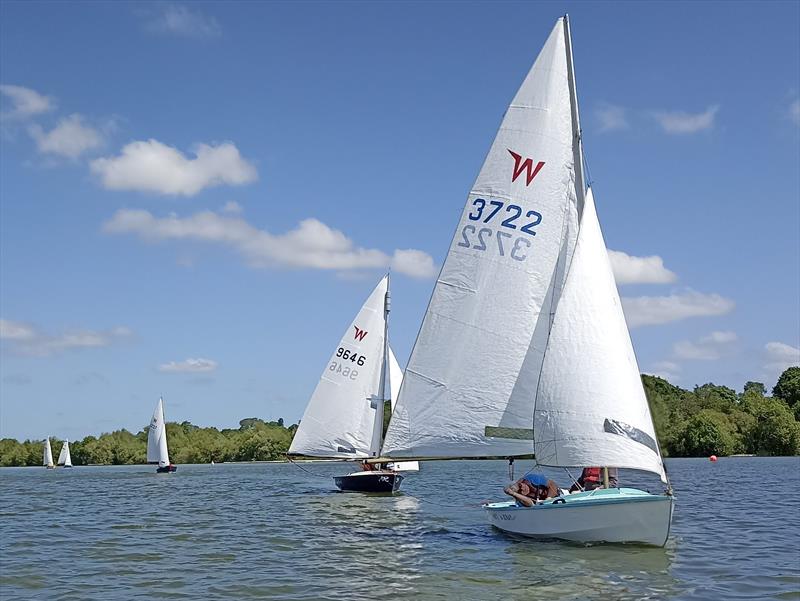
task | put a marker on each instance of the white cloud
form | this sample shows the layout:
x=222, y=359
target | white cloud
x=233, y=208
x=189, y=365
x=70, y=138
x=27, y=340
x=780, y=356
x=711, y=347
x=794, y=112
x=25, y=102
x=311, y=245
x=415, y=263
x=678, y=122
x=611, y=117
x=176, y=19
x=639, y=270
x=155, y=167
x=654, y=310
x=668, y=370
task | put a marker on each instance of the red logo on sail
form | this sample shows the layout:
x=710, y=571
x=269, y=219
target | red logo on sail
x=360, y=334
x=526, y=166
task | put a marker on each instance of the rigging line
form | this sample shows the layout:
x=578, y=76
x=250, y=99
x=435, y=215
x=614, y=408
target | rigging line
x=290, y=460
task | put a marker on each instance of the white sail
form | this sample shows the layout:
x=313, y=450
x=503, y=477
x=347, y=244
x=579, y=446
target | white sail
x=157, y=437
x=395, y=380
x=469, y=386
x=345, y=413
x=64, y=457
x=591, y=408
x=47, y=460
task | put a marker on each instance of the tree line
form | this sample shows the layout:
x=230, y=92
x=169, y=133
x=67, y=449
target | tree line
x=708, y=420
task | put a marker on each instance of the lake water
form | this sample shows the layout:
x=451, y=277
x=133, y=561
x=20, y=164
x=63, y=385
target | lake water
x=274, y=531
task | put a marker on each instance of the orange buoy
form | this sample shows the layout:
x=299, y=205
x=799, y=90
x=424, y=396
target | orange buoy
x=713, y=458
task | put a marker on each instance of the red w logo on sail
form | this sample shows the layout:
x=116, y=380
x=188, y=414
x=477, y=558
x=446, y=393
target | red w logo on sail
x=526, y=165
x=360, y=334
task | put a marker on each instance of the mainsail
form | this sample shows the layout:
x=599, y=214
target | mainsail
x=64, y=457
x=591, y=408
x=157, y=437
x=345, y=413
x=47, y=460
x=469, y=385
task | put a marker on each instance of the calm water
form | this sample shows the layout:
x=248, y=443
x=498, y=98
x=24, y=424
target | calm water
x=273, y=531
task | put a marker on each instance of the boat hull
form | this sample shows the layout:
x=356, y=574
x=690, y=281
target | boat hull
x=384, y=482
x=617, y=515
x=167, y=469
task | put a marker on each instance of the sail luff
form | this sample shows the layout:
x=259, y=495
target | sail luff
x=580, y=183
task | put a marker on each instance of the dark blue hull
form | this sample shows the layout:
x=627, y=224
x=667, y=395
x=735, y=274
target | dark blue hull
x=167, y=469
x=385, y=482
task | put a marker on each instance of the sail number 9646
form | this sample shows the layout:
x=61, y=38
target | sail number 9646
x=478, y=239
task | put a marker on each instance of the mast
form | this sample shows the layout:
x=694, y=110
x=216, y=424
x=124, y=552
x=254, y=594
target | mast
x=580, y=182
x=377, y=433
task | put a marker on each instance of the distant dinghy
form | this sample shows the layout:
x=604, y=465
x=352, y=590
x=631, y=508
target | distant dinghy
x=47, y=460
x=64, y=457
x=157, y=442
x=344, y=417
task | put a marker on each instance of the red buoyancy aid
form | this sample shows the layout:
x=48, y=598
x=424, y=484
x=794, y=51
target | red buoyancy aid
x=591, y=474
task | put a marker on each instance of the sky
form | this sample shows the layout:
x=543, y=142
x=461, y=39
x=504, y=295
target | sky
x=196, y=198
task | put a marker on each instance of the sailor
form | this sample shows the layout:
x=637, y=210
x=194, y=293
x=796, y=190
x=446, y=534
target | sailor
x=592, y=478
x=532, y=488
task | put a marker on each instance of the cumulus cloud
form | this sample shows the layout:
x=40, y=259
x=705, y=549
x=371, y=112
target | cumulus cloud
x=310, y=245
x=668, y=370
x=655, y=310
x=24, y=102
x=794, y=112
x=611, y=118
x=179, y=20
x=150, y=166
x=779, y=356
x=639, y=270
x=714, y=346
x=679, y=122
x=70, y=138
x=189, y=366
x=27, y=340
x=232, y=207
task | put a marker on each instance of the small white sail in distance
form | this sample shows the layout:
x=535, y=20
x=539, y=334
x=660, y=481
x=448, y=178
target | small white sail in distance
x=47, y=460
x=64, y=457
x=591, y=407
x=347, y=403
x=473, y=371
x=157, y=437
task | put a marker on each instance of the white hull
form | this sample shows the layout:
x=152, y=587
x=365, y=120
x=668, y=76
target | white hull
x=615, y=515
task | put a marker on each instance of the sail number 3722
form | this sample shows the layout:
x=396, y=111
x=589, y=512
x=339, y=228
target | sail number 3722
x=506, y=243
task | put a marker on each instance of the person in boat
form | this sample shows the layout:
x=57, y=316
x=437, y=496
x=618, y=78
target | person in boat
x=592, y=478
x=531, y=489
x=368, y=467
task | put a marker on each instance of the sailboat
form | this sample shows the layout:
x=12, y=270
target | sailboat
x=47, y=460
x=157, y=441
x=64, y=458
x=524, y=347
x=344, y=417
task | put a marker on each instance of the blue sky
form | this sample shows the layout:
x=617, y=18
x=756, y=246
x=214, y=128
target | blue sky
x=195, y=199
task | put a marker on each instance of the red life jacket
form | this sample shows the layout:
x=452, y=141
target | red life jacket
x=591, y=474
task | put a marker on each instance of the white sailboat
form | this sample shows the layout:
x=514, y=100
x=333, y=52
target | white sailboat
x=64, y=457
x=524, y=347
x=157, y=441
x=47, y=460
x=344, y=417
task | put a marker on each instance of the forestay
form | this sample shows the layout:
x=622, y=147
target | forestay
x=157, y=438
x=347, y=403
x=469, y=386
x=591, y=407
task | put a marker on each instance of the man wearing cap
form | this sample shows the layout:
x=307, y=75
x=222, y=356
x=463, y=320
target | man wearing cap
x=532, y=488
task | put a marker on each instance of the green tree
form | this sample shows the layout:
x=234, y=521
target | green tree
x=755, y=387
x=707, y=433
x=788, y=386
